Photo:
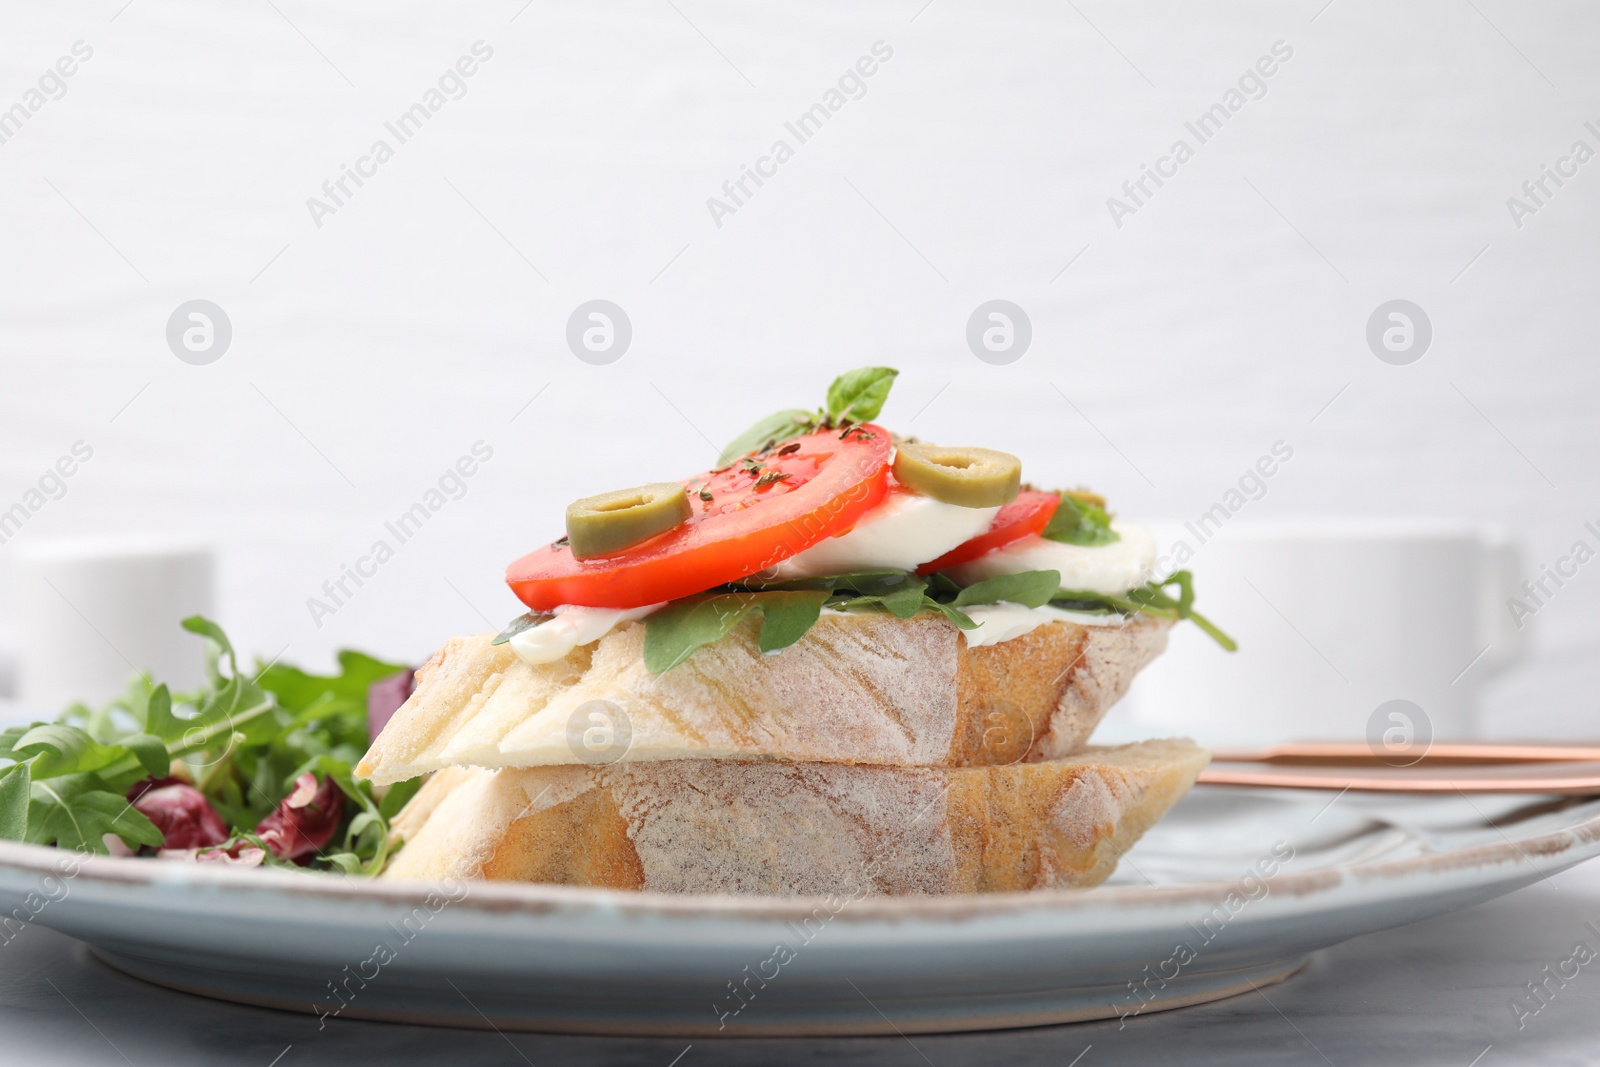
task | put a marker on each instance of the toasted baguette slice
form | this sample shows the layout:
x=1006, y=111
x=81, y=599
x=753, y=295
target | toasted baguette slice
x=733, y=826
x=865, y=688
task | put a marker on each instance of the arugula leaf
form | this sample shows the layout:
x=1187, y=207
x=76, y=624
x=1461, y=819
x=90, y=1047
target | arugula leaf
x=1151, y=599
x=77, y=812
x=777, y=428
x=858, y=581
x=1080, y=522
x=398, y=796
x=15, y=781
x=199, y=624
x=898, y=592
x=902, y=600
x=298, y=691
x=526, y=621
x=58, y=749
x=151, y=752
x=674, y=632
x=955, y=616
x=155, y=711
x=859, y=394
x=1031, y=589
x=366, y=838
x=786, y=616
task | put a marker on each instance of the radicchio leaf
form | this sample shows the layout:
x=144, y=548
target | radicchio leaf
x=305, y=821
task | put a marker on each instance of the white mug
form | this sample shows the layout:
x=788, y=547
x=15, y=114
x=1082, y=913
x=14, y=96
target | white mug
x=93, y=612
x=1336, y=621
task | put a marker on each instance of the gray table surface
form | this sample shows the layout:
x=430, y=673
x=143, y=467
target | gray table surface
x=1437, y=992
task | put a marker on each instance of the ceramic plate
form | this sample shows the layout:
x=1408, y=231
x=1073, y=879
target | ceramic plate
x=1234, y=889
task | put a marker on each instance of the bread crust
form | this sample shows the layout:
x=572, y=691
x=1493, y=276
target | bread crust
x=858, y=689
x=765, y=827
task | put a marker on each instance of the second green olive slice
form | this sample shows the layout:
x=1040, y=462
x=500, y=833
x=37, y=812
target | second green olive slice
x=968, y=477
x=613, y=522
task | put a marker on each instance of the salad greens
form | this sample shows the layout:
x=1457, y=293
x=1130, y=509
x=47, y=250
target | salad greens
x=857, y=396
x=242, y=739
x=1080, y=521
x=789, y=609
x=1150, y=599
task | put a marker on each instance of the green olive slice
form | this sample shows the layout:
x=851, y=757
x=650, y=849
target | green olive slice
x=611, y=522
x=969, y=477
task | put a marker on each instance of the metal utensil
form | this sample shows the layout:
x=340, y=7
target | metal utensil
x=1568, y=770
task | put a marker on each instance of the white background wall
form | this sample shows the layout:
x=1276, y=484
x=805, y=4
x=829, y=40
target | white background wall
x=425, y=314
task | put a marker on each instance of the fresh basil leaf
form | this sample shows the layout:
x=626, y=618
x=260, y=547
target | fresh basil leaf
x=859, y=394
x=674, y=632
x=787, y=616
x=15, y=781
x=526, y=621
x=1079, y=522
x=777, y=427
x=1031, y=589
x=77, y=811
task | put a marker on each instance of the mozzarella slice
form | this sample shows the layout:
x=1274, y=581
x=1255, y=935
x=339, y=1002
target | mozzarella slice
x=1107, y=569
x=904, y=532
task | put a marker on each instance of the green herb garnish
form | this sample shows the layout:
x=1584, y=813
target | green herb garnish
x=852, y=398
x=674, y=632
x=858, y=395
x=790, y=608
x=782, y=426
x=1151, y=599
x=1080, y=522
x=1032, y=589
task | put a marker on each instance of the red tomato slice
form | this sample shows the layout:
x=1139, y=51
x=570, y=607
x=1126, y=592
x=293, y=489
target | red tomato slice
x=761, y=511
x=1029, y=514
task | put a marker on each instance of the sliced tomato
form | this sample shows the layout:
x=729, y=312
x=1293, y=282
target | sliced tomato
x=755, y=514
x=1029, y=514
